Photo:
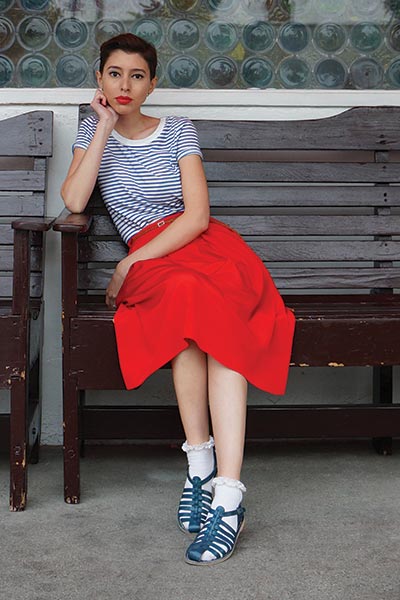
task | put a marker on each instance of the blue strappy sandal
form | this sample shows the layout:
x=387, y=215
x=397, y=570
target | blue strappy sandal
x=195, y=504
x=216, y=537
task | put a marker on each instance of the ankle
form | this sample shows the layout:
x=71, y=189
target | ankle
x=201, y=461
x=228, y=493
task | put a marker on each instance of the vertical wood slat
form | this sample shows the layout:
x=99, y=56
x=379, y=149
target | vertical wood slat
x=22, y=267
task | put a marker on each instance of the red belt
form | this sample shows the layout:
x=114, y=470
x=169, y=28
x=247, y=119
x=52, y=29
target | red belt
x=153, y=226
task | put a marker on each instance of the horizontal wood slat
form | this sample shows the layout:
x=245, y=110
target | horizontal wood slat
x=7, y=254
x=22, y=205
x=7, y=234
x=303, y=172
x=306, y=306
x=263, y=422
x=319, y=341
x=22, y=180
x=28, y=134
x=256, y=225
x=362, y=128
x=270, y=250
x=286, y=278
x=6, y=281
x=306, y=195
x=252, y=195
x=346, y=341
x=336, y=278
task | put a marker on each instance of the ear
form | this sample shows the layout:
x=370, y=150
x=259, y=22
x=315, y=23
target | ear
x=99, y=78
x=153, y=84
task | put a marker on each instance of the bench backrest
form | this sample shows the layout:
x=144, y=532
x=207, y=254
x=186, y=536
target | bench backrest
x=318, y=200
x=25, y=144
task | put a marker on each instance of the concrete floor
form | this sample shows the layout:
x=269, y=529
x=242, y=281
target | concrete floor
x=323, y=523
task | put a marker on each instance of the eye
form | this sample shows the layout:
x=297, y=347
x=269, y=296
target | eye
x=137, y=76
x=113, y=73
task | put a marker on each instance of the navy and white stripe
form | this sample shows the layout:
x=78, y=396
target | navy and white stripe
x=140, y=180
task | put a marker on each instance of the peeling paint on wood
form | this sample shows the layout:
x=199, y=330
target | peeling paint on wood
x=72, y=500
x=17, y=507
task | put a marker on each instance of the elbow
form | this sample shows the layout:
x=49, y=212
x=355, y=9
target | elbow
x=72, y=207
x=204, y=225
x=204, y=220
x=70, y=203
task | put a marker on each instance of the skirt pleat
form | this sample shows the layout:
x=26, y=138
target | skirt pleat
x=215, y=291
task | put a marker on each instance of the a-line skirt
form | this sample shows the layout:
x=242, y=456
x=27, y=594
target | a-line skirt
x=215, y=291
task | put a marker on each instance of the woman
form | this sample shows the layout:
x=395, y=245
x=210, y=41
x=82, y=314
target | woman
x=190, y=290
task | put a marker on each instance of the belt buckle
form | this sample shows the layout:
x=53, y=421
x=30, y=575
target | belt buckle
x=160, y=223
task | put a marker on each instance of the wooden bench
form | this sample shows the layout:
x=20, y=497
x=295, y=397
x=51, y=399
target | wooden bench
x=26, y=142
x=319, y=201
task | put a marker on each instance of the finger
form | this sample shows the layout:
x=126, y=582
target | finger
x=110, y=299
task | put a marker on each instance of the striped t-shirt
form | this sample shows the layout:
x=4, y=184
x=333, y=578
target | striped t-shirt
x=140, y=180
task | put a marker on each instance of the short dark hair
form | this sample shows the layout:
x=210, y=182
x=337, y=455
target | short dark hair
x=132, y=44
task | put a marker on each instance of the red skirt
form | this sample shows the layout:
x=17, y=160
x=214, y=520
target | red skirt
x=215, y=291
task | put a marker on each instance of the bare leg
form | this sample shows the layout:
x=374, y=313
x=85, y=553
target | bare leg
x=189, y=372
x=227, y=391
x=190, y=380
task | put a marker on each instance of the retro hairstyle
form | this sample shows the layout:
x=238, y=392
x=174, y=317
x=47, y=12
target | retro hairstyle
x=132, y=44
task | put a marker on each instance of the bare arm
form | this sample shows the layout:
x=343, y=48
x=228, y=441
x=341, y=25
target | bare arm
x=84, y=168
x=193, y=221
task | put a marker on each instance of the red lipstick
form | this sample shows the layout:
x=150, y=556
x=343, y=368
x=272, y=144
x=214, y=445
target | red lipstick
x=123, y=99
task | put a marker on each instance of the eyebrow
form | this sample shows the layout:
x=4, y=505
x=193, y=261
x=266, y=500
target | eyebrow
x=120, y=68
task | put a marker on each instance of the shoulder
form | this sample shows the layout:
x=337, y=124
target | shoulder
x=90, y=123
x=179, y=124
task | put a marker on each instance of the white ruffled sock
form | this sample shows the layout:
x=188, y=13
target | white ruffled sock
x=200, y=463
x=228, y=494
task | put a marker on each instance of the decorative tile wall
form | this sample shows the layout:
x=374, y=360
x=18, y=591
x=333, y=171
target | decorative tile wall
x=327, y=44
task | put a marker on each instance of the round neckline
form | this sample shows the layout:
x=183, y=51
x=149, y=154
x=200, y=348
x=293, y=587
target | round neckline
x=142, y=141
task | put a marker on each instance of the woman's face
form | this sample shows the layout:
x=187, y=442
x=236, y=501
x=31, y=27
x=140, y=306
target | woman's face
x=125, y=81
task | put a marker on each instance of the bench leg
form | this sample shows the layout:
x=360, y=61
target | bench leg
x=383, y=394
x=18, y=444
x=71, y=442
x=35, y=414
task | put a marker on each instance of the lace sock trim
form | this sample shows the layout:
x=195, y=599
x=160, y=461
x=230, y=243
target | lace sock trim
x=204, y=446
x=233, y=483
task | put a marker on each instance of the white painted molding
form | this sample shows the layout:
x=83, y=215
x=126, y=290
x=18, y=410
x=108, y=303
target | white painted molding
x=196, y=97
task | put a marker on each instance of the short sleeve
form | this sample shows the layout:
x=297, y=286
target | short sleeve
x=188, y=140
x=85, y=133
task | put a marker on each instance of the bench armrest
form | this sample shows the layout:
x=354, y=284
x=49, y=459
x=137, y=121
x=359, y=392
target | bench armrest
x=68, y=222
x=33, y=223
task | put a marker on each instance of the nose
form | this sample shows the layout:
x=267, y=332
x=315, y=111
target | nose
x=125, y=84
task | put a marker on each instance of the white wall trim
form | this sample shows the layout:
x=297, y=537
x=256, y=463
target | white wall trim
x=196, y=97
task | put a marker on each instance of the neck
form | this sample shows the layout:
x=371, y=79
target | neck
x=136, y=126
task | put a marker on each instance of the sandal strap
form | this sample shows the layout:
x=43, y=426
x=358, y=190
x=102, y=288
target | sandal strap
x=202, y=481
x=195, y=502
x=217, y=536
